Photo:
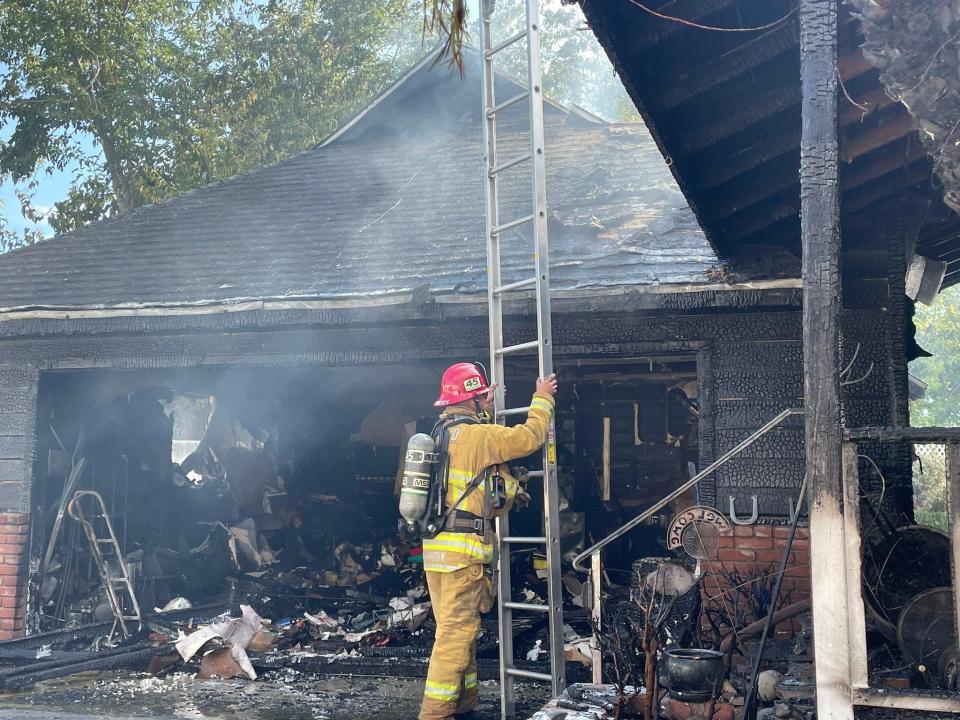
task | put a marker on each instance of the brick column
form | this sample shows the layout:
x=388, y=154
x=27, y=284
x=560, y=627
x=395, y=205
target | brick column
x=755, y=550
x=14, y=545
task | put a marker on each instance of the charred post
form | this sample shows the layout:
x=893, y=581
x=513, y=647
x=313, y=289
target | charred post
x=820, y=232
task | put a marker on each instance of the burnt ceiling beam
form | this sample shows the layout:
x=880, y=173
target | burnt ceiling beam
x=914, y=174
x=874, y=100
x=853, y=65
x=887, y=132
x=768, y=147
x=728, y=66
x=737, y=197
x=657, y=30
x=744, y=112
x=858, y=174
x=738, y=116
x=766, y=185
x=761, y=219
x=951, y=255
x=784, y=233
x=765, y=149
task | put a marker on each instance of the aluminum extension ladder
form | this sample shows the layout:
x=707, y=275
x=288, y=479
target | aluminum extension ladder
x=108, y=557
x=543, y=344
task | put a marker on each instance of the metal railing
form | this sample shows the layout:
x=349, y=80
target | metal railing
x=593, y=552
x=659, y=505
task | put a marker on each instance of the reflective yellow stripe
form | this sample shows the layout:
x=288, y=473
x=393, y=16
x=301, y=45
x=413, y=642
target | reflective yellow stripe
x=441, y=567
x=470, y=680
x=459, y=479
x=466, y=543
x=541, y=404
x=441, y=691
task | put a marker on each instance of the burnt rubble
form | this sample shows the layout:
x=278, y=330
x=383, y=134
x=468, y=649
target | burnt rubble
x=241, y=563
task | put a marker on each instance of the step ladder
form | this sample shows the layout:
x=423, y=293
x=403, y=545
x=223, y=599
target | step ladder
x=543, y=345
x=108, y=557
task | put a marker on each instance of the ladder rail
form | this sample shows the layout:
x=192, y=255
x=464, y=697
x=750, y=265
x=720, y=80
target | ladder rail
x=543, y=345
x=495, y=330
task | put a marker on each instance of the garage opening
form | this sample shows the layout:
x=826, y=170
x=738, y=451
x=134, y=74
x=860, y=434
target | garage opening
x=277, y=488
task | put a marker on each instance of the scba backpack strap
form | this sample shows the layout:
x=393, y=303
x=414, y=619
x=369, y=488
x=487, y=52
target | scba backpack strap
x=452, y=519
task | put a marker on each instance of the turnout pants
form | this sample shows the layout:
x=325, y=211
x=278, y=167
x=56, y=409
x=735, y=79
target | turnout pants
x=457, y=599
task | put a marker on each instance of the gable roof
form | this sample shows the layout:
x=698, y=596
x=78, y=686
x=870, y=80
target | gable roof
x=392, y=202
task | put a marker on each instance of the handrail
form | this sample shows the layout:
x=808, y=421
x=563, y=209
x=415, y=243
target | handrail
x=722, y=460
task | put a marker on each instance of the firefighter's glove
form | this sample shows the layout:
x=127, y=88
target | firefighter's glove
x=521, y=474
x=522, y=499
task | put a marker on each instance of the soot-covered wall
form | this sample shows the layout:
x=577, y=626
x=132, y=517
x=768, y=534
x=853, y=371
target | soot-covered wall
x=750, y=367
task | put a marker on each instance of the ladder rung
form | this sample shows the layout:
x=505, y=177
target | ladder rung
x=532, y=607
x=105, y=540
x=519, y=285
x=507, y=103
x=532, y=345
x=515, y=672
x=509, y=164
x=520, y=539
x=512, y=224
x=535, y=473
x=514, y=411
x=505, y=44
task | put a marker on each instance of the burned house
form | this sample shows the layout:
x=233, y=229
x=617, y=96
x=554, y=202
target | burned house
x=294, y=321
x=244, y=362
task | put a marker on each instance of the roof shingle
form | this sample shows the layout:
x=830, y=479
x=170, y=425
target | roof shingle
x=393, y=203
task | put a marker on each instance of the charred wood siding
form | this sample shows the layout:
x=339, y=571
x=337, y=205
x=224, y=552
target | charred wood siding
x=753, y=381
x=874, y=326
x=18, y=409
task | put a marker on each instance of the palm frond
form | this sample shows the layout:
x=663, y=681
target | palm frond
x=448, y=19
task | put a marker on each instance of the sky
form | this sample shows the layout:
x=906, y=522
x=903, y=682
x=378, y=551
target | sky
x=51, y=188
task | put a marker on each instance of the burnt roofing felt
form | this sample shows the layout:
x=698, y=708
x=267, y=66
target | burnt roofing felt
x=391, y=203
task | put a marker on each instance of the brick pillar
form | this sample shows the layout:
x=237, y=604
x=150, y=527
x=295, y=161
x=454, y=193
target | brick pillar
x=14, y=547
x=755, y=550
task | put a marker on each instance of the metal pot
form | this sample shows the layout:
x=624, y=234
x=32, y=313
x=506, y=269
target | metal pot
x=691, y=675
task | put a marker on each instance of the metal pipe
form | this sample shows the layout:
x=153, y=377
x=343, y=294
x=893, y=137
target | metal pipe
x=722, y=460
x=750, y=706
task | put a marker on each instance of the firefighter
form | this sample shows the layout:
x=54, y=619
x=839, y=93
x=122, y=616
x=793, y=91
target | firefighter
x=457, y=560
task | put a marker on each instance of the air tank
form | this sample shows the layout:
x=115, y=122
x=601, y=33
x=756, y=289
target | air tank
x=417, y=478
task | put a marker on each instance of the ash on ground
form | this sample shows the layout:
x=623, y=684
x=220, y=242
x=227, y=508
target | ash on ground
x=286, y=694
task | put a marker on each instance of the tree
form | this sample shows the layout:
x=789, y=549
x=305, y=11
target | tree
x=175, y=94
x=144, y=100
x=938, y=331
x=576, y=71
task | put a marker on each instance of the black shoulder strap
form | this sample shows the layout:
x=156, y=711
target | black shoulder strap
x=443, y=427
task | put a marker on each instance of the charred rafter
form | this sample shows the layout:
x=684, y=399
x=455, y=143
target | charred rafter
x=888, y=131
x=657, y=30
x=772, y=180
x=738, y=115
x=730, y=65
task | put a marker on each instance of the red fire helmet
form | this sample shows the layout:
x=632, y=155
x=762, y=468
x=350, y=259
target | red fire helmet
x=460, y=382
